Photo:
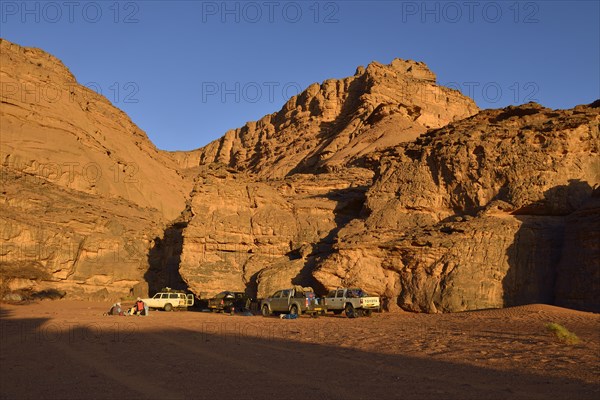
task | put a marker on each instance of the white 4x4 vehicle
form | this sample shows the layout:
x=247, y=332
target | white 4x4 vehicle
x=170, y=300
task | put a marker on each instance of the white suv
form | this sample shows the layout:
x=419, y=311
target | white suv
x=169, y=300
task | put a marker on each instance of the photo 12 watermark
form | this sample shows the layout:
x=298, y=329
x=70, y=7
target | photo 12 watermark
x=249, y=92
x=253, y=12
x=114, y=256
x=68, y=172
x=227, y=332
x=495, y=92
x=490, y=92
x=71, y=12
x=453, y=12
x=47, y=92
x=66, y=332
x=45, y=248
x=117, y=92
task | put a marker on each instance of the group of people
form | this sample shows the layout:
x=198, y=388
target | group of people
x=139, y=308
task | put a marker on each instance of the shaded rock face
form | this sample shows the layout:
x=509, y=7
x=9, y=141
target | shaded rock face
x=329, y=125
x=578, y=272
x=476, y=215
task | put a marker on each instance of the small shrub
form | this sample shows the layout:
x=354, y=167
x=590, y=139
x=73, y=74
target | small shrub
x=562, y=333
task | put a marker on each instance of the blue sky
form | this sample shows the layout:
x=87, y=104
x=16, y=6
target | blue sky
x=188, y=71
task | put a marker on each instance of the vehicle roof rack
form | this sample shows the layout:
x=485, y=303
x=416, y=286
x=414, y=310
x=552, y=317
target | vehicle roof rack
x=299, y=288
x=169, y=290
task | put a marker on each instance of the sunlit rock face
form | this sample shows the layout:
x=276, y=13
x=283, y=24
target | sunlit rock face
x=486, y=212
x=383, y=180
x=84, y=191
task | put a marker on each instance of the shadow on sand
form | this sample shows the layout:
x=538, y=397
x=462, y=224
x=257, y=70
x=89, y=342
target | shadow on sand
x=122, y=357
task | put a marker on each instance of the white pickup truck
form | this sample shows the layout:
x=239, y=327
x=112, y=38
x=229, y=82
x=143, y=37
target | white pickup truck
x=353, y=301
x=169, y=300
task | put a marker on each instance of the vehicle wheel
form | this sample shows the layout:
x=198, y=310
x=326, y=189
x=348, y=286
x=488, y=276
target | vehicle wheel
x=294, y=310
x=350, y=312
x=168, y=307
x=368, y=313
x=265, y=311
x=314, y=315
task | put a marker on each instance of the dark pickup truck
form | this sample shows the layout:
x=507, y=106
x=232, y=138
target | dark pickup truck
x=295, y=301
x=229, y=302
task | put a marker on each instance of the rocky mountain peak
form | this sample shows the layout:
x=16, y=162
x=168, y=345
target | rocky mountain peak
x=409, y=68
x=30, y=57
x=331, y=124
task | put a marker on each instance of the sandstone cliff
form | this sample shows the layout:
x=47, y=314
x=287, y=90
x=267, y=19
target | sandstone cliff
x=85, y=194
x=578, y=272
x=331, y=124
x=383, y=180
x=261, y=235
x=59, y=242
x=61, y=131
x=473, y=215
x=300, y=175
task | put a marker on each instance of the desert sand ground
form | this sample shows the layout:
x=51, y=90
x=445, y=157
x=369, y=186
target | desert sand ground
x=68, y=350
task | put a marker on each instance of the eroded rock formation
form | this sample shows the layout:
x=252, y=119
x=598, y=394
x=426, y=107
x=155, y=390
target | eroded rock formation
x=247, y=233
x=270, y=229
x=333, y=123
x=473, y=215
x=85, y=194
x=59, y=242
x=58, y=130
x=382, y=180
